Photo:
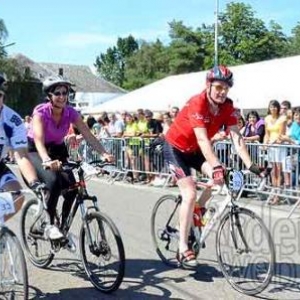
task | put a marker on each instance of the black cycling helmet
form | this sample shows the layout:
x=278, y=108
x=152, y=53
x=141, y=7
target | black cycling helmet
x=220, y=73
x=50, y=83
x=3, y=81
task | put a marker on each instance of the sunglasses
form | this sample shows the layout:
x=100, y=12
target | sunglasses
x=57, y=94
x=1, y=95
x=220, y=88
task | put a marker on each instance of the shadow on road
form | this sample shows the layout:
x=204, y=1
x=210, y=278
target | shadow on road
x=149, y=279
x=144, y=279
x=287, y=278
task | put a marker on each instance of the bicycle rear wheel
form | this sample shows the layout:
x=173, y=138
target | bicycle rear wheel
x=103, y=256
x=245, y=251
x=13, y=269
x=164, y=228
x=37, y=247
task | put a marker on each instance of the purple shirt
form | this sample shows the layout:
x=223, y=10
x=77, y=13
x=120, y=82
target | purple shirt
x=54, y=133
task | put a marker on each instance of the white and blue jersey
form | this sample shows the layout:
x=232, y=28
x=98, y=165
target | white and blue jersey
x=12, y=131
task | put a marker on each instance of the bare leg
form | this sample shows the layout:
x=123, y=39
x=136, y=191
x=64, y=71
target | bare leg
x=18, y=201
x=206, y=194
x=188, y=192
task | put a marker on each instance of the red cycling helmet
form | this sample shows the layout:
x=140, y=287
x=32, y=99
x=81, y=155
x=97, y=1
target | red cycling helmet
x=220, y=73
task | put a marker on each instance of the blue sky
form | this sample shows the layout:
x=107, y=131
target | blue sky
x=75, y=31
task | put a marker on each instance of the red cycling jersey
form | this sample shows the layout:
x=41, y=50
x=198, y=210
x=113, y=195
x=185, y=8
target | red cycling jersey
x=196, y=113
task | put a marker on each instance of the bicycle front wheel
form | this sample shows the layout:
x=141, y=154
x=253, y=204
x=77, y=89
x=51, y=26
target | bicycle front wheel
x=165, y=228
x=37, y=247
x=245, y=251
x=102, y=252
x=13, y=269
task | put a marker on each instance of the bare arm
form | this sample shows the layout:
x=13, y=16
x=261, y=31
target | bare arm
x=206, y=147
x=89, y=137
x=39, y=137
x=252, y=138
x=240, y=145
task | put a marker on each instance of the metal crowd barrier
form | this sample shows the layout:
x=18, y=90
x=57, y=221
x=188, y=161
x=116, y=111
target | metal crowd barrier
x=137, y=159
x=142, y=159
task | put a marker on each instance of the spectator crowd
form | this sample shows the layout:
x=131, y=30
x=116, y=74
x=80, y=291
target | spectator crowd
x=144, y=133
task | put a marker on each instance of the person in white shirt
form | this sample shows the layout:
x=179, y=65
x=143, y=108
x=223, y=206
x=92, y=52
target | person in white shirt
x=13, y=136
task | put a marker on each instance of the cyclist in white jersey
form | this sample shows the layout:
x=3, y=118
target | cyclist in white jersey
x=13, y=137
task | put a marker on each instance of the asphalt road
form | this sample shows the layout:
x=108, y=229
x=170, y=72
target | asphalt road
x=146, y=277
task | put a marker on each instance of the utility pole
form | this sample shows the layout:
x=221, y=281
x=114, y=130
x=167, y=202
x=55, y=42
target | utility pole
x=216, y=31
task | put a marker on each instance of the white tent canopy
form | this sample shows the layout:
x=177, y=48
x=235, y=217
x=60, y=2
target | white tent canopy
x=254, y=86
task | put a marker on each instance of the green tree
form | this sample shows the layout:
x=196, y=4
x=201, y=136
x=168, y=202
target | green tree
x=148, y=64
x=3, y=37
x=293, y=47
x=111, y=65
x=245, y=38
x=187, y=49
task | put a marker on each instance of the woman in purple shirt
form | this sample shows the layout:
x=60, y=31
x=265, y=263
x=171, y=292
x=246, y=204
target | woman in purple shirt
x=49, y=126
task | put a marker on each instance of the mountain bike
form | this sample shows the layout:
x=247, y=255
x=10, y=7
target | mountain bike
x=100, y=243
x=13, y=268
x=244, y=247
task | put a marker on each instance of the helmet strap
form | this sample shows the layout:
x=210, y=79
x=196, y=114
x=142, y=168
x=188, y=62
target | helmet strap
x=210, y=97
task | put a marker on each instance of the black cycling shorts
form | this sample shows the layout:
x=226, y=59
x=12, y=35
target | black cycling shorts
x=180, y=163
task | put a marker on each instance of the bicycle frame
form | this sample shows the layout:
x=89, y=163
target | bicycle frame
x=82, y=195
x=228, y=202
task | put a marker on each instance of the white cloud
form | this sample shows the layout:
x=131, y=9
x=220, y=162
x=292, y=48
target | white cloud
x=149, y=35
x=82, y=40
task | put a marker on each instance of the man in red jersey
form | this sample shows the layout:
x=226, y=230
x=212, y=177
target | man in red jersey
x=188, y=146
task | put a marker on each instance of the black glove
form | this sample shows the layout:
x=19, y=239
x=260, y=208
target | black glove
x=37, y=186
x=218, y=175
x=255, y=169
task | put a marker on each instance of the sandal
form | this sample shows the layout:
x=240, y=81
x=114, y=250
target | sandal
x=187, y=260
x=274, y=201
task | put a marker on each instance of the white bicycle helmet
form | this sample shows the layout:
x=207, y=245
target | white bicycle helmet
x=50, y=83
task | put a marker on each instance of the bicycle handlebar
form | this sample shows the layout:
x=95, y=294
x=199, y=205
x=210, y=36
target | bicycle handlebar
x=71, y=165
x=234, y=179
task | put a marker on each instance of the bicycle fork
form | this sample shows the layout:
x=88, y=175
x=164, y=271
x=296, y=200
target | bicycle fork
x=235, y=223
x=169, y=231
x=12, y=271
x=96, y=248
